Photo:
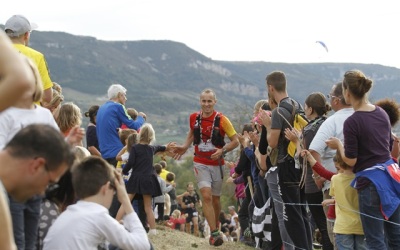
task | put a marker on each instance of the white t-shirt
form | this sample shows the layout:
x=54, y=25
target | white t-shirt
x=125, y=156
x=85, y=225
x=331, y=127
x=233, y=222
x=14, y=119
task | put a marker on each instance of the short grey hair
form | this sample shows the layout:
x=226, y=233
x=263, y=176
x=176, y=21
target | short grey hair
x=114, y=89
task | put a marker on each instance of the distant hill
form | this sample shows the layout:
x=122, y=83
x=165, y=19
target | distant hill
x=164, y=78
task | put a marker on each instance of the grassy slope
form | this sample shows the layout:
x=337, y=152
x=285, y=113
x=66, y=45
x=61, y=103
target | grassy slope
x=167, y=239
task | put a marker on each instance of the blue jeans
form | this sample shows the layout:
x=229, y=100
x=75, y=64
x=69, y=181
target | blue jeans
x=377, y=231
x=25, y=219
x=351, y=242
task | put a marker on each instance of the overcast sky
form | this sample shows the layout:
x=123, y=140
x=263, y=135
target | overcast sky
x=253, y=30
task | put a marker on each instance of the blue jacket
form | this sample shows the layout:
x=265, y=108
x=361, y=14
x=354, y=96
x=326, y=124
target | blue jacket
x=110, y=117
x=386, y=186
x=254, y=170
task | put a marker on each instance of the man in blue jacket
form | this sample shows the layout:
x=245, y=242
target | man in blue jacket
x=110, y=117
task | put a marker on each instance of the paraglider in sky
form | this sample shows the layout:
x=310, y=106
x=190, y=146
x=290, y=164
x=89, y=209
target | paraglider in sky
x=323, y=45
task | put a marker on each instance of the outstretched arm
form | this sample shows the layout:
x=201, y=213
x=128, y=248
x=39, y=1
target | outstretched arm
x=317, y=167
x=120, y=153
x=179, y=150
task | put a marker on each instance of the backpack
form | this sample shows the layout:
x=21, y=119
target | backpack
x=216, y=138
x=298, y=121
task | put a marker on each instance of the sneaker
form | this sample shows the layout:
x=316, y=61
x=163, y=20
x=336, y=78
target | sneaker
x=216, y=239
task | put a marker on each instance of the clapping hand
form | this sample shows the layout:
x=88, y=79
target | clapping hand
x=333, y=143
x=75, y=135
x=292, y=134
x=265, y=117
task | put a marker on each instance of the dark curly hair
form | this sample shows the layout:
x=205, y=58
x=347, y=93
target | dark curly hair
x=392, y=109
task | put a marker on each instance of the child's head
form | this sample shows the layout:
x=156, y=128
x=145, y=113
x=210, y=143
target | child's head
x=57, y=87
x=124, y=134
x=176, y=213
x=131, y=140
x=248, y=127
x=258, y=105
x=147, y=134
x=234, y=235
x=163, y=164
x=132, y=113
x=170, y=177
x=158, y=168
x=338, y=160
x=232, y=209
x=80, y=154
x=55, y=102
x=92, y=113
x=68, y=116
x=392, y=109
x=90, y=175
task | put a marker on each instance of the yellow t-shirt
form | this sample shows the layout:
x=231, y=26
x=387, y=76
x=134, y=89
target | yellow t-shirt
x=40, y=61
x=348, y=219
x=163, y=174
x=119, y=163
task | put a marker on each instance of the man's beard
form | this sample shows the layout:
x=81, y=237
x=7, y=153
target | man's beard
x=271, y=99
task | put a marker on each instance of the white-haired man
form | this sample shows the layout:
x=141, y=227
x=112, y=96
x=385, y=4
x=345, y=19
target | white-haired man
x=110, y=117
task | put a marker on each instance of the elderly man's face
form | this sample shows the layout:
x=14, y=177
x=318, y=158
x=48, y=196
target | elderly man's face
x=122, y=98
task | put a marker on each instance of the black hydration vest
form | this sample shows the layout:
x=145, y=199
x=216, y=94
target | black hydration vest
x=216, y=138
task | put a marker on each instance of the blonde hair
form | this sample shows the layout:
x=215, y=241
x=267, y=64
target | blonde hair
x=57, y=87
x=68, y=116
x=259, y=104
x=81, y=153
x=147, y=134
x=56, y=100
x=176, y=213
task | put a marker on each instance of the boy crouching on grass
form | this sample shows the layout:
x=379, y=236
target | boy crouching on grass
x=86, y=224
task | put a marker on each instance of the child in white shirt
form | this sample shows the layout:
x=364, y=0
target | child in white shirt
x=86, y=224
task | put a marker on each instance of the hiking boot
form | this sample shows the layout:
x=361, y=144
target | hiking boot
x=216, y=239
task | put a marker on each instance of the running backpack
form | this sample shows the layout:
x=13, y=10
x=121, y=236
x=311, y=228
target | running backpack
x=216, y=138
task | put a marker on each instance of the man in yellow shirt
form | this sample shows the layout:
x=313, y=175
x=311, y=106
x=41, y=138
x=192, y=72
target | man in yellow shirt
x=18, y=29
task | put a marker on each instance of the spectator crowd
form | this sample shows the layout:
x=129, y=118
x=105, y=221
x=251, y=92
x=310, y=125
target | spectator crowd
x=333, y=182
